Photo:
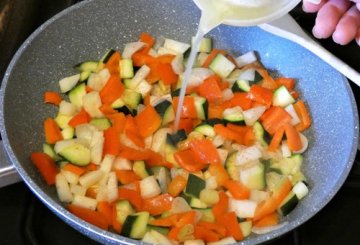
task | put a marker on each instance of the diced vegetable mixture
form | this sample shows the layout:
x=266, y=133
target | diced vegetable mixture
x=232, y=168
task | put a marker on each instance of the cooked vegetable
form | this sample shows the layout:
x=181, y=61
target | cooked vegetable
x=232, y=167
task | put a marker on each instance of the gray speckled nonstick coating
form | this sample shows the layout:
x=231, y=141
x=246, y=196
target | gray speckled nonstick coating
x=86, y=30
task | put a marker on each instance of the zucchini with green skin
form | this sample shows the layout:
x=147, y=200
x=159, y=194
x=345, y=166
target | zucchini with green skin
x=230, y=166
x=135, y=225
x=201, y=106
x=194, y=185
x=76, y=154
x=282, y=97
x=160, y=229
x=123, y=208
x=101, y=123
x=126, y=68
x=241, y=86
x=87, y=66
x=205, y=129
x=139, y=168
x=221, y=65
x=76, y=95
x=107, y=56
x=175, y=138
x=288, y=204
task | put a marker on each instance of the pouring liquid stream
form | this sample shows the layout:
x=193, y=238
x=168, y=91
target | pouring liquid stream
x=213, y=13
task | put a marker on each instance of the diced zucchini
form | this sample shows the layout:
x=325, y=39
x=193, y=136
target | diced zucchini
x=221, y=65
x=205, y=44
x=288, y=204
x=87, y=66
x=140, y=75
x=131, y=98
x=101, y=123
x=194, y=185
x=194, y=202
x=175, y=138
x=245, y=227
x=201, y=106
x=205, y=129
x=107, y=56
x=84, y=76
x=162, y=107
x=289, y=165
x=209, y=197
x=76, y=154
x=161, y=230
x=68, y=133
x=234, y=115
x=118, y=103
x=123, y=209
x=259, y=133
x=230, y=166
x=49, y=150
x=62, y=120
x=254, y=177
x=207, y=214
x=140, y=170
x=282, y=97
x=273, y=180
x=135, y=225
x=126, y=68
x=241, y=86
x=76, y=95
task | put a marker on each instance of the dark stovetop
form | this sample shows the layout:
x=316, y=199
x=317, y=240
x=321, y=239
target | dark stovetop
x=25, y=220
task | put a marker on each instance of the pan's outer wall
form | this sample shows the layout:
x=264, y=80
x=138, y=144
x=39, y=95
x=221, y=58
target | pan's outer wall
x=85, y=31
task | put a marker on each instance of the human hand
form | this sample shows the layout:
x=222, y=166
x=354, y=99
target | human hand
x=337, y=18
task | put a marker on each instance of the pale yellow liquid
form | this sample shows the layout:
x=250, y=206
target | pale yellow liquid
x=215, y=12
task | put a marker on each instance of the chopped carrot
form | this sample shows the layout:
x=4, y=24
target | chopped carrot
x=126, y=176
x=147, y=100
x=213, y=227
x=184, y=123
x=210, y=89
x=74, y=169
x=186, y=218
x=293, y=137
x=211, y=56
x=52, y=131
x=115, y=223
x=88, y=89
x=167, y=74
x=148, y=121
x=168, y=221
x=227, y=133
x=117, y=121
x=140, y=59
x=229, y=221
x=132, y=196
x=113, y=63
x=275, y=119
x=111, y=142
x=185, y=159
x=92, y=192
x=276, y=139
x=240, y=99
x=107, y=109
x=112, y=90
x=148, y=39
x=237, y=189
x=267, y=82
x=215, y=111
x=218, y=170
x=207, y=235
x=165, y=58
x=188, y=110
x=46, y=166
x=221, y=207
x=93, y=217
x=106, y=209
x=158, y=204
x=91, y=167
x=52, y=97
x=176, y=186
x=204, y=151
x=245, y=134
x=303, y=114
x=260, y=94
x=135, y=138
x=289, y=83
x=268, y=220
x=81, y=118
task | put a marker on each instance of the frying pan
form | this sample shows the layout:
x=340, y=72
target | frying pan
x=87, y=29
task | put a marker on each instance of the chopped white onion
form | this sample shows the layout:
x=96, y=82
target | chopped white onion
x=97, y=81
x=92, y=103
x=253, y=114
x=67, y=108
x=131, y=48
x=248, y=75
x=179, y=205
x=63, y=188
x=140, y=75
x=198, y=75
x=177, y=64
x=304, y=142
x=245, y=59
x=294, y=116
x=248, y=154
x=227, y=94
x=176, y=46
x=242, y=208
x=85, y=202
x=285, y=150
x=67, y=83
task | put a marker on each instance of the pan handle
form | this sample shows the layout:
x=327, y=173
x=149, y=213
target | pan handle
x=8, y=174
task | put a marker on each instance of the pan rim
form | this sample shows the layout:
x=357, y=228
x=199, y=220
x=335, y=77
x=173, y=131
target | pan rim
x=109, y=237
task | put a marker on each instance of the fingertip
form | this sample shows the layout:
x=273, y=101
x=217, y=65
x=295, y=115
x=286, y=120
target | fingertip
x=312, y=7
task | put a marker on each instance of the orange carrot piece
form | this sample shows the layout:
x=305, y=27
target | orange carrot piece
x=52, y=97
x=148, y=39
x=90, y=216
x=46, y=166
x=135, y=138
x=140, y=59
x=276, y=118
x=227, y=133
x=289, y=83
x=132, y=196
x=202, y=233
x=176, y=186
x=148, y=121
x=107, y=109
x=126, y=176
x=174, y=233
x=303, y=114
x=210, y=89
x=167, y=74
x=211, y=56
x=111, y=142
x=185, y=123
x=218, y=170
x=215, y=111
x=113, y=63
x=221, y=207
x=188, y=110
x=158, y=204
x=52, y=131
x=268, y=220
x=186, y=218
x=260, y=94
x=115, y=223
x=74, y=169
x=117, y=121
x=268, y=82
x=293, y=137
x=92, y=192
x=213, y=227
x=112, y=90
x=229, y=221
x=186, y=161
x=237, y=189
x=276, y=140
x=106, y=209
x=240, y=99
x=91, y=167
x=204, y=151
x=168, y=221
x=81, y=118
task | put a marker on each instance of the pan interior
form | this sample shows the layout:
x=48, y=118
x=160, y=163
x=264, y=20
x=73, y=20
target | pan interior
x=87, y=30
